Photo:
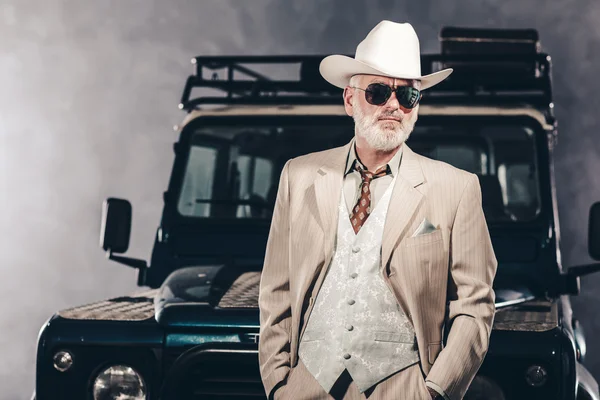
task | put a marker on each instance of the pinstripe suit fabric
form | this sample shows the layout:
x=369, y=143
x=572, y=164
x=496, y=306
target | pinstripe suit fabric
x=440, y=277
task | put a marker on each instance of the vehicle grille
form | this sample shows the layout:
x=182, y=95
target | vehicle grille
x=243, y=292
x=225, y=371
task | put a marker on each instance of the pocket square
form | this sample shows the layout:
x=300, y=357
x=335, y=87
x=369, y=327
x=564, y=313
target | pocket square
x=424, y=227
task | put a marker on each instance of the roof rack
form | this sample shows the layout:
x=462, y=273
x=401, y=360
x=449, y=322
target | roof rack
x=456, y=40
x=477, y=79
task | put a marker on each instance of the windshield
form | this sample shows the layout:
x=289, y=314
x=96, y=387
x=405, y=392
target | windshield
x=233, y=171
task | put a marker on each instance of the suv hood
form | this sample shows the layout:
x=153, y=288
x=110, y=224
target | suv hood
x=212, y=296
x=220, y=296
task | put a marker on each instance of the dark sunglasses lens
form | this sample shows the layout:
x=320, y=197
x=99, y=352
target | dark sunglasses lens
x=407, y=96
x=377, y=93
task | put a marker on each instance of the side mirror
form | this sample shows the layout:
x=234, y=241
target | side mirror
x=571, y=282
x=116, y=225
x=594, y=231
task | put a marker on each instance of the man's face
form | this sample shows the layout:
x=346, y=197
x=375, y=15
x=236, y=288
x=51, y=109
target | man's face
x=384, y=127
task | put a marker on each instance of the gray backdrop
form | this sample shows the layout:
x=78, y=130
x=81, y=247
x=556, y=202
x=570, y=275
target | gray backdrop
x=88, y=96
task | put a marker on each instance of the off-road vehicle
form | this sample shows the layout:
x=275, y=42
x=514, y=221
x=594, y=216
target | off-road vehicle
x=193, y=333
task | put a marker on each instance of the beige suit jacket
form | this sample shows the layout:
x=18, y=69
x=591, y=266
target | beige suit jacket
x=440, y=277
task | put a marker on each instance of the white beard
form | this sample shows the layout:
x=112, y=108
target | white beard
x=383, y=135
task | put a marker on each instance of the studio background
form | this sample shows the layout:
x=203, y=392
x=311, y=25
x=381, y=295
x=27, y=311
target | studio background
x=89, y=94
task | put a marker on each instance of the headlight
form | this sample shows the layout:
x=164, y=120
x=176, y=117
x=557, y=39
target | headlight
x=484, y=388
x=119, y=382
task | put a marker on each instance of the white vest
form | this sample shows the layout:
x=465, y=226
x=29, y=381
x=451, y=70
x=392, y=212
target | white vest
x=356, y=323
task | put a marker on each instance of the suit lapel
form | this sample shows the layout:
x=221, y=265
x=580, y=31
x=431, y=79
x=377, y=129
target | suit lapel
x=404, y=202
x=328, y=186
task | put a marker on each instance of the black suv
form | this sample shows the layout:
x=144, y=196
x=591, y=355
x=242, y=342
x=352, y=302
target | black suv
x=193, y=333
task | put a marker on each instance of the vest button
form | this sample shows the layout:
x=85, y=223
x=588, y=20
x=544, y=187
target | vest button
x=349, y=327
x=353, y=275
x=351, y=302
x=355, y=249
x=347, y=356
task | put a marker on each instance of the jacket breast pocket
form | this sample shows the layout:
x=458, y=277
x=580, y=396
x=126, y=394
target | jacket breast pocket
x=423, y=239
x=416, y=256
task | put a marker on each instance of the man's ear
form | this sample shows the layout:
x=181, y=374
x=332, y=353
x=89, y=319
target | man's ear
x=348, y=93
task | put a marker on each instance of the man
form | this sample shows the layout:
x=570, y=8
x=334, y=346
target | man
x=373, y=248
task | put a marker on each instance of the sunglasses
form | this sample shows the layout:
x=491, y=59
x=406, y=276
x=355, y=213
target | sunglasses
x=378, y=94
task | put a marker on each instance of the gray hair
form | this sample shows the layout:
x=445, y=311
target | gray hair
x=354, y=80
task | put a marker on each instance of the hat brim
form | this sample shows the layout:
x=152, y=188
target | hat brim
x=338, y=69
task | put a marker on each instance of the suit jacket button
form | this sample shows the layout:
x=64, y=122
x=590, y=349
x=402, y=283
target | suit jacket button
x=355, y=249
x=351, y=302
x=347, y=356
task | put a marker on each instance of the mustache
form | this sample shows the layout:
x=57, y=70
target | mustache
x=390, y=115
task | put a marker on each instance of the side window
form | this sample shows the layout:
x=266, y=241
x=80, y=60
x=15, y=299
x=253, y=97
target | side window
x=464, y=157
x=519, y=189
x=255, y=182
x=198, y=183
x=467, y=156
x=263, y=172
x=518, y=185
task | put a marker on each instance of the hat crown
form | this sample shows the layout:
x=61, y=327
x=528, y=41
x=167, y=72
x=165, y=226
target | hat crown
x=392, y=47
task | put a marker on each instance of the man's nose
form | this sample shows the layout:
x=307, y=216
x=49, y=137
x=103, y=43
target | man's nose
x=392, y=104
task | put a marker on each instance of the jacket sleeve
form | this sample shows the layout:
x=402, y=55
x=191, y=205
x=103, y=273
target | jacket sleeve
x=471, y=298
x=274, y=296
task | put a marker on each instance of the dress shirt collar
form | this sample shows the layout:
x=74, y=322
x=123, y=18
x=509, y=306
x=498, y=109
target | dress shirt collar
x=393, y=164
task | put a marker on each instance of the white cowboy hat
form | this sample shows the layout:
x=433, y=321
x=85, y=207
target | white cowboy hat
x=390, y=49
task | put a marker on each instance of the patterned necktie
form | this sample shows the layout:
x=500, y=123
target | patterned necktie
x=362, y=209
